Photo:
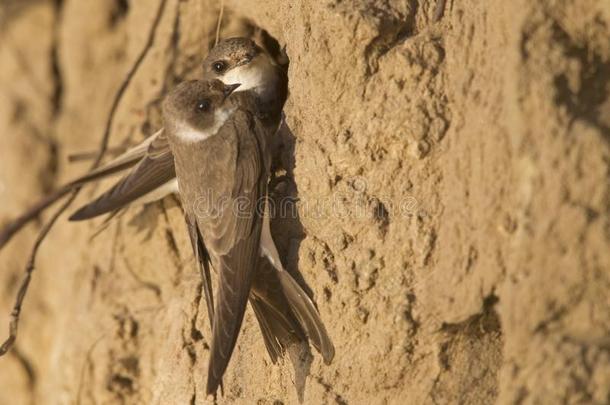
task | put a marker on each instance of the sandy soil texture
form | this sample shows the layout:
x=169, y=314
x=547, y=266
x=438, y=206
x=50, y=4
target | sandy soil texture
x=451, y=180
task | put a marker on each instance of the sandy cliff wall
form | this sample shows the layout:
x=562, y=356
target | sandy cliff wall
x=454, y=202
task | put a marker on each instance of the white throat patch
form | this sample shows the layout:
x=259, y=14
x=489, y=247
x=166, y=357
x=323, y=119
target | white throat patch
x=250, y=76
x=189, y=134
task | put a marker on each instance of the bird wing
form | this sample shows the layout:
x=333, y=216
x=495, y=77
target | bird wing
x=128, y=159
x=305, y=311
x=276, y=319
x=154, y=170
x=233, y=238
x=202, y=258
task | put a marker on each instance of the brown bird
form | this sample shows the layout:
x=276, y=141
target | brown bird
x=154, y=176
x=234, y=60
x=220, y=144
x=284, y=311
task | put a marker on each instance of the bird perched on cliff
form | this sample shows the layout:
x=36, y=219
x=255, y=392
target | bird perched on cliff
x=234, y=60
x=285, y=313
x=220, y=145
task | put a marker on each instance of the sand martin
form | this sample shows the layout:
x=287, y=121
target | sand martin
x=220, y=146
x=284, y=311
x=234, y=60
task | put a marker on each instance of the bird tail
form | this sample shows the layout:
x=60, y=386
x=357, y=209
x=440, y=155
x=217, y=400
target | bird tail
x=285, y=313
x=307, y=315
x=279, y=327
x=279, y=330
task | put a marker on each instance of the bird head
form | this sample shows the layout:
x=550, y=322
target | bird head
x=240, y=60
x=196, y=109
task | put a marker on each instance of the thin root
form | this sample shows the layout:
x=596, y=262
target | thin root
x=29, y=269
x=220, y=15
x=8, y=232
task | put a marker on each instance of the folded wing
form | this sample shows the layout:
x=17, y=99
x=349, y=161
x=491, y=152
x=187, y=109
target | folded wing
x=154, y=169
x=233, y=239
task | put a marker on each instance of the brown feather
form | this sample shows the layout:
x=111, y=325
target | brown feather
x=235, y=172
x=120, y=163
x=154, y=169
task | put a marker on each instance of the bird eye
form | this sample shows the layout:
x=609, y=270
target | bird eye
x=203, y=105
x=219, y=66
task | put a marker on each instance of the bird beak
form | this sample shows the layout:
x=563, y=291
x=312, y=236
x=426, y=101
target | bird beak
x=230, y=89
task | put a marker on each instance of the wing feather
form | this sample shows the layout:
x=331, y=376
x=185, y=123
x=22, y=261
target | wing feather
x=155, y=169
x=202, y=259
x=235, y=235
x=120, y=163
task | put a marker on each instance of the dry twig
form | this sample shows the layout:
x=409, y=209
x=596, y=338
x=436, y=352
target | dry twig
x=15, y=226
x=220, y=15
x=29, y=269
x=32, y=213
x=91, y=155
